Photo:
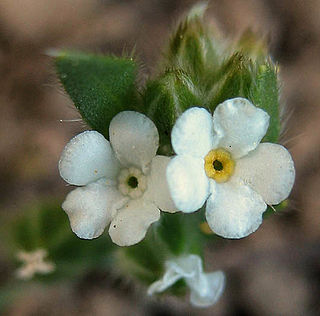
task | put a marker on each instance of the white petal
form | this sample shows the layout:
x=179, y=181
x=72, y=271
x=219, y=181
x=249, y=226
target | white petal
x=235, y=210
x=189, y=267
x=269, y=170
x=239, y=125
x=134, y=138
x=176, y=269
x=90, y=208
x=157, y=188
x=188, y=183
x=170, y=277
x=192, y=133
x=131, y=222
x=86, y=158
x=207, y=289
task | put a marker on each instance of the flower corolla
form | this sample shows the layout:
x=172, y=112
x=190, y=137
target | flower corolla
x=221, y=161
x=122, y=181
x=205, y=288
x=33, y=263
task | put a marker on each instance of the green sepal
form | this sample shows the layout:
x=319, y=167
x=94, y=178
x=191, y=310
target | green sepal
x=193, y=49
x=256, y=81
x=165, y=99
x=275, y=208
x=215, y=73
x=253, y=45
x=100, y=86
x=264, y=93
x=233, y=80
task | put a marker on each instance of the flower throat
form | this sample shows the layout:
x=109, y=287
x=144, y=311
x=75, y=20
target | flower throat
x=219, y=165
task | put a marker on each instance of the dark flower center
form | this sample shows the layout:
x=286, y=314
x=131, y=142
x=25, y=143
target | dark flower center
x=133, y=182
x=217, y=165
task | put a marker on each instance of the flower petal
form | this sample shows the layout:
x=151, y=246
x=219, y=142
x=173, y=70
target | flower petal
x=170, y=277
x=239, y=125
x=90, y=208
x=269, y=170
x=235, y=211
x=86, y=158
x=157, y=189
x=176, y=269
x=207, y=289
x=192, y=133
x=188, y=183
x=131, y=222
x=134, y=138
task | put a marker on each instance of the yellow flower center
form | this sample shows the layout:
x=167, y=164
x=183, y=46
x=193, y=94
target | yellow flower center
x=218, y=165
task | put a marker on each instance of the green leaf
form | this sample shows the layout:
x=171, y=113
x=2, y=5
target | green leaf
x=100, y=86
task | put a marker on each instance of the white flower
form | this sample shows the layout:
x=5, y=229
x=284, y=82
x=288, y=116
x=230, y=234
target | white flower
x=220, y=160
x=33, y=262
x=206, y=288
x=123, y=180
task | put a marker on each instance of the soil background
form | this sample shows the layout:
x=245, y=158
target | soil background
x=275, y=271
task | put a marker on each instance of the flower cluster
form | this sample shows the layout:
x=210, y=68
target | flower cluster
x=220, y=161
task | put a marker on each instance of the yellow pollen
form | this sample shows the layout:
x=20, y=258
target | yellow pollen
x=218, y=165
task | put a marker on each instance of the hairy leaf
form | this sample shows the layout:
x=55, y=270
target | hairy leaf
x=100, y=86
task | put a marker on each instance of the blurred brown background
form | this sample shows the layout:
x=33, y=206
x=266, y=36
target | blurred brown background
x=275, y=271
